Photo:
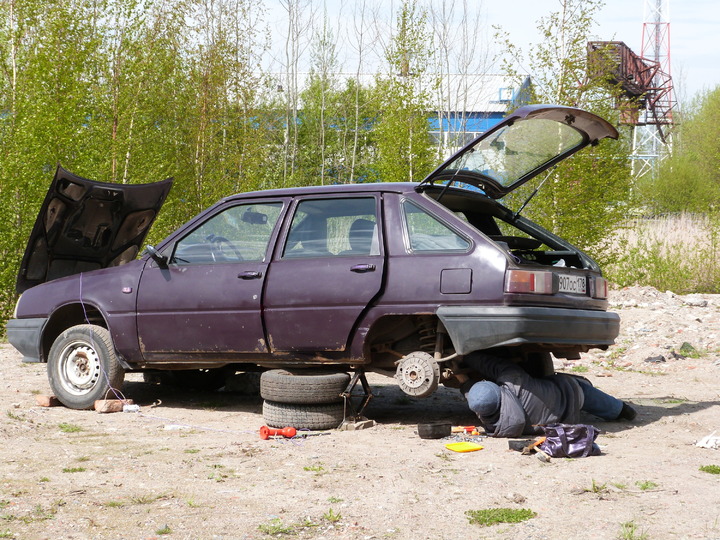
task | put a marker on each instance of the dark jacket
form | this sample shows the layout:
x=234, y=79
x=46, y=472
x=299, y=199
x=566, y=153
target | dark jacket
x=526, y=401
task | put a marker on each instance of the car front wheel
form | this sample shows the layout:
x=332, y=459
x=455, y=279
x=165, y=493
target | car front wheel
x=83, y=367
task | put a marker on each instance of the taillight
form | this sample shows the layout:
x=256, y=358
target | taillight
x=600, y=289
x=527, y=281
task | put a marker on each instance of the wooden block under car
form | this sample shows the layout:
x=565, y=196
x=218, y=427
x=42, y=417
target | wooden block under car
x=111, y=405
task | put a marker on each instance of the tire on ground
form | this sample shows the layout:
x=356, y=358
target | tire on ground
x=302, y=416
x=306, y=386
x=83, y=367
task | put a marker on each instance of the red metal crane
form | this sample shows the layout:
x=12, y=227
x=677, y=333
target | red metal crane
x=647, y=98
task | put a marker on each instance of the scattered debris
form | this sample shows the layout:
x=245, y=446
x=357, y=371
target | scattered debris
x=436, y=430
x=711, y=441
x=464, y=446
x=695, y=302
x=354, y=424
x=656, y=359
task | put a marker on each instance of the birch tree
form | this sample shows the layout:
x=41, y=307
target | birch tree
x=401, y=135
x=585, y=197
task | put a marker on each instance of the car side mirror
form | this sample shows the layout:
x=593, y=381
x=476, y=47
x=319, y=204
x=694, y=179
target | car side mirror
x=161, y=260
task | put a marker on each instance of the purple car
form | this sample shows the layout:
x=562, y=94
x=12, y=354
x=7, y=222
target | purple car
x=311, y=284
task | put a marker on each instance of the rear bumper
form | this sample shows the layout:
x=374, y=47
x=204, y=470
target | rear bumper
x=24, y=335
x=474, y=328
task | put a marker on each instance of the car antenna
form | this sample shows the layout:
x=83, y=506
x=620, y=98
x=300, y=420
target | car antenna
x=527, y=201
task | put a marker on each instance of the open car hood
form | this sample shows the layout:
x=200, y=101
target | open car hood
x=527, y=142
x=85, y=225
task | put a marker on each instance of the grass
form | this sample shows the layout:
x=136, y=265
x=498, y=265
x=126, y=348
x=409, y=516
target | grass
x=580, y=369
x=596, y=487
x=145, y=499
x=73, y=469
x=493, y=516
x=646, y=485
x=331, y=516
x=14, y=416
x=164, y=530
x=319, y=469
x=276, y=527
x=686, y=349
x=630, y=531
x=69, y=428
x=679, y=253
x=710, y=469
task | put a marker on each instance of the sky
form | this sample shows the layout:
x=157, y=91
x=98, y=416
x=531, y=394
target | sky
x=694, y=29
x=694, y=33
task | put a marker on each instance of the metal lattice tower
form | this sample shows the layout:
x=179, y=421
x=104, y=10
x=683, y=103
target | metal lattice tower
x=646, y=101
x=652, y=137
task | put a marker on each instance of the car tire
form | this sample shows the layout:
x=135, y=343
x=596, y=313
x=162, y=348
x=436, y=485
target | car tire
x=303, y=386
x=83, y=367
x=302, y=416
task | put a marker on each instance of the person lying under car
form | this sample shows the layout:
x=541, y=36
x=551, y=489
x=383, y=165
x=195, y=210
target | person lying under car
x=509, y=402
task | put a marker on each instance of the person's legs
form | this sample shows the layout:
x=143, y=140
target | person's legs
x=599, y=403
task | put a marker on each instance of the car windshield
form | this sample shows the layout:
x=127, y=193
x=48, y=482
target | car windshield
x=517, y=149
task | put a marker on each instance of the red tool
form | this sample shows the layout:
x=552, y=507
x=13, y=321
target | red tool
x=287, y=432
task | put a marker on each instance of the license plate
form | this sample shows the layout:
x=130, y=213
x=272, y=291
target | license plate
x=572, y=284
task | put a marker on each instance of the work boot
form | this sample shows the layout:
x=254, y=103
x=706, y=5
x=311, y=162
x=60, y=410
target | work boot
x=627, y=412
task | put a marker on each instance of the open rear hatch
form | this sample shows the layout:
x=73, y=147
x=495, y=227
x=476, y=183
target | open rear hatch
x=525, y=143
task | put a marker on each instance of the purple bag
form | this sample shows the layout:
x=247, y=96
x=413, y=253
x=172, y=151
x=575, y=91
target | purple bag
x=570, y=440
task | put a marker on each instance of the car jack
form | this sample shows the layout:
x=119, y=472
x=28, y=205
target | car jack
x=354, y=418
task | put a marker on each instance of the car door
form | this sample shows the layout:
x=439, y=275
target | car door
x=207, y=300
x=329, y=269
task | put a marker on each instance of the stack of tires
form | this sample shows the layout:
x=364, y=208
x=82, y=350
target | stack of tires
x=303, y=398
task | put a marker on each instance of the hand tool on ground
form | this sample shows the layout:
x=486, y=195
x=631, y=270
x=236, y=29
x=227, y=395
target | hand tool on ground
x=267, y=432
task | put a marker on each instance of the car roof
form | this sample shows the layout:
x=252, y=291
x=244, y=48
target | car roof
x=385, y=187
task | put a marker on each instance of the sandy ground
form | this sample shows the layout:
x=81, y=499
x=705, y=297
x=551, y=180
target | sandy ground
x=194, y=466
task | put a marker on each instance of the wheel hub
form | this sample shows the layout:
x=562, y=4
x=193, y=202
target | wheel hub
x=81, y=369
x=418, y=374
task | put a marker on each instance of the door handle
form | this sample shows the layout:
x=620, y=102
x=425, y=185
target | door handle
x=250, y=275
x=362, y=268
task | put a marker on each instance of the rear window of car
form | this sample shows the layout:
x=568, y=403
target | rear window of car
x=426, y=233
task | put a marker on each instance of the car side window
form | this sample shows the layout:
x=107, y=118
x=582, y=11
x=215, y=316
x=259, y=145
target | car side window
x=239, y=233
x=333, y=228
x=427, y=233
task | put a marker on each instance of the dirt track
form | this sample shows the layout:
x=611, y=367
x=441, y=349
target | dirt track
x=194, y=466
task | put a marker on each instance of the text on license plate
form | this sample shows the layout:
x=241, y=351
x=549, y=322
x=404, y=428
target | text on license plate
x=573, y=284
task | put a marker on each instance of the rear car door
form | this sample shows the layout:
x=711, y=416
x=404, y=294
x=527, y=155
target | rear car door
x=207, y=300
x=328, y=269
